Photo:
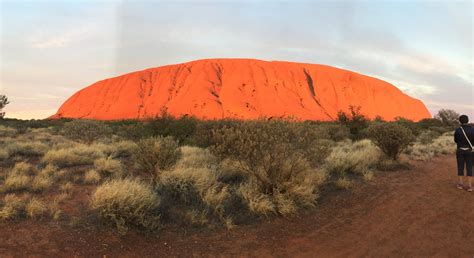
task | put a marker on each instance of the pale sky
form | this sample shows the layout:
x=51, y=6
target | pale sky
x=51, y=49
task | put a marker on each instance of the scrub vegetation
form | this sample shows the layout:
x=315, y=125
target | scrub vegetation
x=148, y=174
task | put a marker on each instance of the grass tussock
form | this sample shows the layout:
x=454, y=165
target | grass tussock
x=343, y=183
x=437, y=146
x=127, y=202
x=109, y=167
x=27, y=149
x=74, y=156
x=358, y=158
x=12, y=207
x=92, y=177
x=35, y=208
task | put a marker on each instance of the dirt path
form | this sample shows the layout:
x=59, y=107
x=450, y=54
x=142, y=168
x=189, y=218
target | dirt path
x=414, y=213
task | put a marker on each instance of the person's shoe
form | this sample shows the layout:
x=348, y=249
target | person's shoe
x=460, y=186
x=469, y=189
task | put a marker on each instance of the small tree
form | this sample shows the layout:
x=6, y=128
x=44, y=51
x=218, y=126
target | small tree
x=391, y=138
x=355, y=121
x=3, y=102
x=448, y=117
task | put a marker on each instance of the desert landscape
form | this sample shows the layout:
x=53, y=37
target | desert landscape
x=185, y=187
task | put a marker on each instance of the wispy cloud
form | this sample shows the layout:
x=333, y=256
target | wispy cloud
x=41, y=40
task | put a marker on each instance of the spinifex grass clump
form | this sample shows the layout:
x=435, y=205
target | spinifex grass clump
x=127, y=202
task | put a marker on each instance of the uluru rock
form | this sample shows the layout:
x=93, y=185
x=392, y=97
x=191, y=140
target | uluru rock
x=241, y=89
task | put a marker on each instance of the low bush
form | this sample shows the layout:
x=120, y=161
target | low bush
x=273, y=160
x=154, y=155
x=127, y=202
x=391, y=138
x=86, y=131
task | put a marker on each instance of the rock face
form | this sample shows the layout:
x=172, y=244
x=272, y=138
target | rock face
x=241, y=89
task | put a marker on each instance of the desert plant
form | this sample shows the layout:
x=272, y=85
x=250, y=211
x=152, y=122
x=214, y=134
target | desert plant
x=3, y=103
x=154, y=155
x=127, y=202
x=35, y=208
x=343, y=183
x=86, y=131
x=92, y=177
x=391, y=138
x=27, y=149
x=274, y=166
x=109, y=167
x=355, y=121
x=6, y=131
x=12, y=207
x=72, y=156
x=358, y=158
x=448, y=117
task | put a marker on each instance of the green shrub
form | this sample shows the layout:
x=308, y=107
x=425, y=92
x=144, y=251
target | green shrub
x=153, y=155
x=86, y=131
x=127, y=202
x=391, y=138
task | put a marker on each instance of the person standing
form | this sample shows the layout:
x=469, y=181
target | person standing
x=464, y=138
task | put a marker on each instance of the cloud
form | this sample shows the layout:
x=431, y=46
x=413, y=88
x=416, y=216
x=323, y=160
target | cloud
x=61, y=40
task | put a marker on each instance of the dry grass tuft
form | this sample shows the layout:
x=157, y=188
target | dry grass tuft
x=358, y=158
x=92, y=177
x=27, y=148
x=35, y=208
x=109, y=167
x=127, y=202
x=425, y=151
x=13, y=207
x=73, y=156
x=343, y=183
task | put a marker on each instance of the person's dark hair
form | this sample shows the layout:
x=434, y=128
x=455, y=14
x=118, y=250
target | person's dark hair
x=464, y=119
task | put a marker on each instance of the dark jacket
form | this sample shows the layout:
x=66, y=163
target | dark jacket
x=460, y=139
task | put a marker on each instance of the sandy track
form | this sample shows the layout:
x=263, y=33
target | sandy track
x=416, y=213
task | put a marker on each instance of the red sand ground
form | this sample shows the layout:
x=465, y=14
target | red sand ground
x=416, y=213
x=241, y=89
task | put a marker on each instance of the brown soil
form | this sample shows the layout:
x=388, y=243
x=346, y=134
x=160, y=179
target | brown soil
x=413, y=213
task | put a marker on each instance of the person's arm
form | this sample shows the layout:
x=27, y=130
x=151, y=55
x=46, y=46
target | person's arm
x=456, y=136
